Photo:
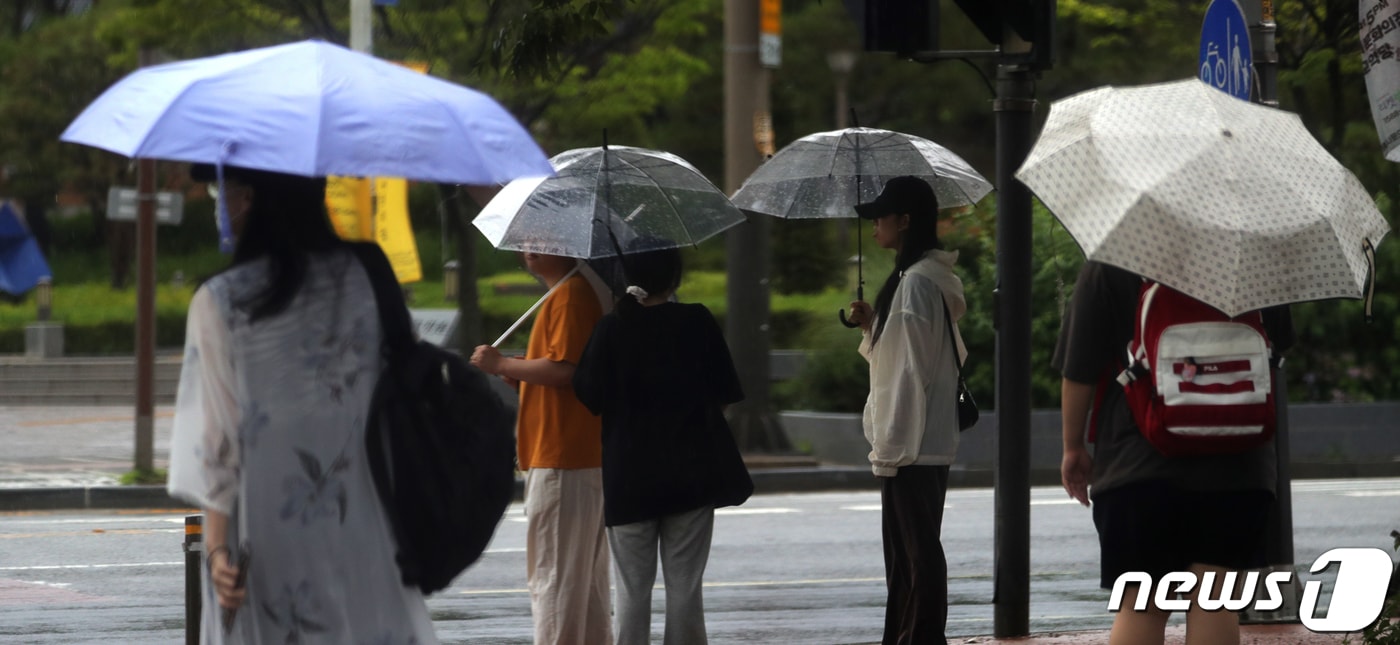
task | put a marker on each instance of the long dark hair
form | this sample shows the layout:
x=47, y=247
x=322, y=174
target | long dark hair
x=656, y=272
x=919, y=238
x=286, y=223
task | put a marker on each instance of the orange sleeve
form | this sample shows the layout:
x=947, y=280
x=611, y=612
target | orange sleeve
x=573, y=312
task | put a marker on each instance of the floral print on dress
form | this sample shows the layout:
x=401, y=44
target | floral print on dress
x=223, y=458
x=335, y=359
x=316, y=492
x=253, y=423
x=295, y=612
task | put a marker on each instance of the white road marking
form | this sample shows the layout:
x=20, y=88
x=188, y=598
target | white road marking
x=713, y=585
x=105, y=520
x=66, y=567
x=754, y=511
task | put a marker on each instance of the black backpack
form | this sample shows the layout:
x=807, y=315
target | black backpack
x=440, y=443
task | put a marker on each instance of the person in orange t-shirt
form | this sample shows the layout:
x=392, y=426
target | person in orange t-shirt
x=560, y=448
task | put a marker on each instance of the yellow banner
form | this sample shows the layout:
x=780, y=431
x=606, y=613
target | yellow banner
x=359, y=214
x=393, y=231
x=347, y=201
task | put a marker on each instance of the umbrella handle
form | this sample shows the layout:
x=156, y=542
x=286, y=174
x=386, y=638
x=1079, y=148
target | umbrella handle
x=860, y=295
x=842, y=315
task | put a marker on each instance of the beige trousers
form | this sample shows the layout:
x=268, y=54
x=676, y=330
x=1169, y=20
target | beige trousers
x=566, y=555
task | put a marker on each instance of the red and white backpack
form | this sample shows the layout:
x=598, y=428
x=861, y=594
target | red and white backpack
x=1198, y=382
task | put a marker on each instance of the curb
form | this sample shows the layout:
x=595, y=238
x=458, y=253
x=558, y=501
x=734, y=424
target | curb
x=767, y=481
x=87, y=498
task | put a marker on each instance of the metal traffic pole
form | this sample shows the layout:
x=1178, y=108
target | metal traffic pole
x=194, y=568
x=1278, y=541
x=1014, y=107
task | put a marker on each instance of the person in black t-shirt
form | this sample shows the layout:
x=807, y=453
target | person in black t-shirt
x=660, y=374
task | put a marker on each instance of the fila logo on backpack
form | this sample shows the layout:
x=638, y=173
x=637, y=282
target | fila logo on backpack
x=1198, y=382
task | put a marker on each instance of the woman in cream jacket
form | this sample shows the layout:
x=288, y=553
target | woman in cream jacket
x=911, y=413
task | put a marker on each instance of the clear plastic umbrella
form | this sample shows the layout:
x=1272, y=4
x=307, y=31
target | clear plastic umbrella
x=601, y=199
x=824, y=175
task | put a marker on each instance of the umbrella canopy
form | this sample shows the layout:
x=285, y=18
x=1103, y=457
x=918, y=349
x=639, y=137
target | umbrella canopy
x=313, y=109
x=1232, y=203
x=600, y=196
x=824, y=175
x=21, y=262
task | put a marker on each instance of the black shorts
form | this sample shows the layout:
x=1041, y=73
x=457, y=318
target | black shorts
x=1159, y=528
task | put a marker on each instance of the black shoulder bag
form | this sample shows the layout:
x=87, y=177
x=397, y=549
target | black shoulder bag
x=440, y=444
x=967, y=408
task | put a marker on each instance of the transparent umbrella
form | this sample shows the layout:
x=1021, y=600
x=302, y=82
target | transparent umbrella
x=606, y=197
x=602, y=200
x=824, y=175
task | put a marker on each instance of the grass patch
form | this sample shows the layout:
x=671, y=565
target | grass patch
x=143, y=477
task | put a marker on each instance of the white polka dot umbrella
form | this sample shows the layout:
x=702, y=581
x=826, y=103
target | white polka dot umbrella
x=1233, y=203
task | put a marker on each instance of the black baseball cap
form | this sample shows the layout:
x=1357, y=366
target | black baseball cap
x=906, y=194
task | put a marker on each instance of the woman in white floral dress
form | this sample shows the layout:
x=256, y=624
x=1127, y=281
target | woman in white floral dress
x=281, y=355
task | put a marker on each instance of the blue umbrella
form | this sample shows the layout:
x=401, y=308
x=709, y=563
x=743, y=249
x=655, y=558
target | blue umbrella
x=312, y=109
x=21, y=262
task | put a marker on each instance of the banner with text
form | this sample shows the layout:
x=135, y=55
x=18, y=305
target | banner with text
x=1380, y=45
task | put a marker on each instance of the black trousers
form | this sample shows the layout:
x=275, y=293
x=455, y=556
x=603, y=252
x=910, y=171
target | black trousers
x=916, y=571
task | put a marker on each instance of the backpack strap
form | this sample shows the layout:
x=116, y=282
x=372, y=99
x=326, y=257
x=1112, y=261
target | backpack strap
x=394, y=320
x=1137, y=356
x=948, y=318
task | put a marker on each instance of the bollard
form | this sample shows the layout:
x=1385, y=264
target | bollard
x=194, y=550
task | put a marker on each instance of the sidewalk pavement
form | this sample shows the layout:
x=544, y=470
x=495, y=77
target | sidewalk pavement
x=71, y=458
x=1289, y=634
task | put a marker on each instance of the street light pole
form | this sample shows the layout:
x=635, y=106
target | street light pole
x=361, y=26
x=145, y=307
x=747, y=250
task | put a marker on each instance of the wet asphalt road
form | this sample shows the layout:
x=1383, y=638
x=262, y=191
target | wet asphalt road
x=801, y=568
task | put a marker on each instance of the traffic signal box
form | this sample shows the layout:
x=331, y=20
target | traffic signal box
x=1022, y=30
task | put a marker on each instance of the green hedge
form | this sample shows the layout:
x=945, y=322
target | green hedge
x=100, y=320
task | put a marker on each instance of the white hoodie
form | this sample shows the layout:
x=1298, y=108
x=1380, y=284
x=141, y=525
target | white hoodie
x=911, y=415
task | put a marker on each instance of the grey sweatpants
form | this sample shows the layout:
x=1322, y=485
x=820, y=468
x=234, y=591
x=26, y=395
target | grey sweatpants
x=683, y=541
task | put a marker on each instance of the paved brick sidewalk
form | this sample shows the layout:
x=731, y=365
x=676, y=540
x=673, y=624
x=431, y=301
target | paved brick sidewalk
x=52, y=447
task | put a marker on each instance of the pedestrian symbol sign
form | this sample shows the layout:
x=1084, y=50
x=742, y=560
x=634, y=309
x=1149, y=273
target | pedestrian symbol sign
x=1227, y=63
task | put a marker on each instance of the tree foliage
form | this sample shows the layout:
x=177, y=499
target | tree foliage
x=650, y=73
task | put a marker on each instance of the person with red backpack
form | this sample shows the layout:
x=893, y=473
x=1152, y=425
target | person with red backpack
x=1204, y=511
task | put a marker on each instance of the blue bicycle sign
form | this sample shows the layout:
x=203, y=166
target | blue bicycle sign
x=1227, y=62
